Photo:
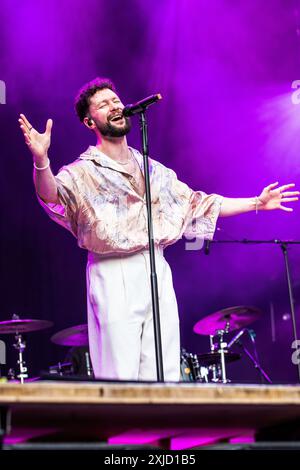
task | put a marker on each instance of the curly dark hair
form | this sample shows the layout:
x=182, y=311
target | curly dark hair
x=82, y=100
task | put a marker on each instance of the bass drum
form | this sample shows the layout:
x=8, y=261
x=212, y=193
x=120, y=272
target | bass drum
x=190, y=369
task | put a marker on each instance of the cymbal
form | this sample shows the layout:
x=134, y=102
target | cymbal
x=212, y=358
x=234, y=317
x=74, y=336
x=23, y=326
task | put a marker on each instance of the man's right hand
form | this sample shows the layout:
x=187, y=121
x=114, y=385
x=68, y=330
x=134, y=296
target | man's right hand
x=38, y=143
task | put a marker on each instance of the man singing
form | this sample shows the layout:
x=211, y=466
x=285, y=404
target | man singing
x=100, y=198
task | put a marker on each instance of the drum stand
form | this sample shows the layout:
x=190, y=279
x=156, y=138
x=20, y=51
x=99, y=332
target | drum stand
x=219, y=370
x=15, y=327
x=20, y=346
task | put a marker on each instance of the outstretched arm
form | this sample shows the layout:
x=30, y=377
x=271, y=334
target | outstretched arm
x=269, y=199
x=44, y=181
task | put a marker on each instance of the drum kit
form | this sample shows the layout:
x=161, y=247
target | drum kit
x=17, y=326
x=211, y=366
x=73, y=337
x=207, y=367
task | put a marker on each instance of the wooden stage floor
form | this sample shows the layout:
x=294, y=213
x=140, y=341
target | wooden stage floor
x=174, y=416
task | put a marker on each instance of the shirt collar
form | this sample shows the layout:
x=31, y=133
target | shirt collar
x=93, y=153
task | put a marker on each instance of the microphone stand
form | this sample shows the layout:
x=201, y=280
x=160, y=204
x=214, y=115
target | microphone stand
x=284, y=246
x=153, y=275
x=256, y=363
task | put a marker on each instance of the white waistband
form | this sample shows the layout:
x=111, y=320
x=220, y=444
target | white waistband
x=94, y=257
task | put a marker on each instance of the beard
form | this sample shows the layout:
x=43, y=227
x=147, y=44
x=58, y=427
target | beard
x=111, y=130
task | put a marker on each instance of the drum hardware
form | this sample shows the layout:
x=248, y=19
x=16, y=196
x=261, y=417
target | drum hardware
x=11, y=374
x=220, y=371
x=20, y=346
x=11, y=377
x=76, y=337
x=61, y=368
x=217, y=325
x=89, y=368
x=67, y=368
x=212, y=361
x=17, y=326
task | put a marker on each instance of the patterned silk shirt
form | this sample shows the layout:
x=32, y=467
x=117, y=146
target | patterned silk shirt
x=101, y=208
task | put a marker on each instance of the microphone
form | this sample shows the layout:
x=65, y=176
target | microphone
x=207, y=243
x=140, y=106
x=236, y=338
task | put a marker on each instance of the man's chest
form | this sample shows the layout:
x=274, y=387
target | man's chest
x=137, y=181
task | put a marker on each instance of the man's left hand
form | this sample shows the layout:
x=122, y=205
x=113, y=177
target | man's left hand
x=271, y=198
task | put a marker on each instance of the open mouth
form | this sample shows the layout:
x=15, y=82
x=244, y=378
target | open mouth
x=116, y=118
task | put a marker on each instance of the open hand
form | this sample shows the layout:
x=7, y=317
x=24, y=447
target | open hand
x=271, y=198
x=38, y=143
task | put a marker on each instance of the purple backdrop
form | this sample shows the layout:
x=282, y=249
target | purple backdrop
x=228, y=124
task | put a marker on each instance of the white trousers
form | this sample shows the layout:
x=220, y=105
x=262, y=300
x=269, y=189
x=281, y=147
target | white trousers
x=120, y=322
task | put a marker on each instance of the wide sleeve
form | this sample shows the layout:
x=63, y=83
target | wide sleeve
x=199, y=210
x=64, y=213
